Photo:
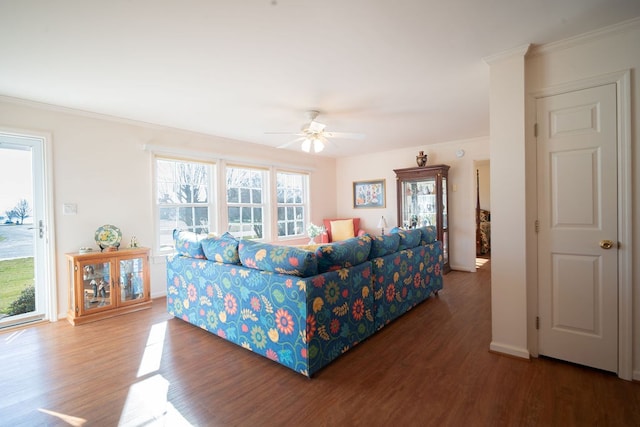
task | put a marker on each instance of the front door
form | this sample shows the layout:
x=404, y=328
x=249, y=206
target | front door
x=577, y=237
x=23, y=261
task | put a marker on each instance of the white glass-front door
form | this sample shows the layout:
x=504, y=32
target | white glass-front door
x=24, y=292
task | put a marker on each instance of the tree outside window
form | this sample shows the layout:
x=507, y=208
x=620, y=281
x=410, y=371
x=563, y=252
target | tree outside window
x=183, y=198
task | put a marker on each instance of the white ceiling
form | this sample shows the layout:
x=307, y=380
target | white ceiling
x=405, y=73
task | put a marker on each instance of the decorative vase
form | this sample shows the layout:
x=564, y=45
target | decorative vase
x=312, y=241
x=421, y=159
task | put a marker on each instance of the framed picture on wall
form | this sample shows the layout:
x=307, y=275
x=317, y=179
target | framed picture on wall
x=369, y=194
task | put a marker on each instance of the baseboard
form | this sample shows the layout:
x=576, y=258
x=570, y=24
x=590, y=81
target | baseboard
x=158, y=295
x=465, y=268
x=510, y=350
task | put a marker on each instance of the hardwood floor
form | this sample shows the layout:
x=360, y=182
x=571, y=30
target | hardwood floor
x=430, y=367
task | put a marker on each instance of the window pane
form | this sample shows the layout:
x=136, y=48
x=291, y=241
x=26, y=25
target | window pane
x=232, y=195
x=291, y=188
x=202, y=219
x=183, y=198
x=257, y=214
x=245, y=195
x=234, y=214
x=246, y=214
x=256, y=196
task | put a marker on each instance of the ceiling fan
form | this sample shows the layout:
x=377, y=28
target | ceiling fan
x=312, y=134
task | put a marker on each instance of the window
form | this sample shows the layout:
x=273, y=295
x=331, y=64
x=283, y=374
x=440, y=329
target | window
x=246, y=202
x=291, y=191
x=184, y=198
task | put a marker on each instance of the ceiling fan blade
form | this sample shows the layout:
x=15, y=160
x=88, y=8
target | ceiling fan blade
x=285, y=133
x=290, y=143
x=345, y=135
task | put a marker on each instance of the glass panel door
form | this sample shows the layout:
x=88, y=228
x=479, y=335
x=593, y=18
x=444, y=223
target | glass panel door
x=22, y=230
x=131, y=279
x=96, y=286
x=419, y=204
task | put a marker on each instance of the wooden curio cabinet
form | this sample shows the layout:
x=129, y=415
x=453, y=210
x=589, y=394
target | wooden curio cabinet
x=422, y=200
x=106, y=284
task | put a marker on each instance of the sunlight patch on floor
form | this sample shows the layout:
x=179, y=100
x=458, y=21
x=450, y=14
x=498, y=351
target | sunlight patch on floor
x=153, y=351
x=481, y=261
x=69, y=419
x=147, y=405
x=147, y=401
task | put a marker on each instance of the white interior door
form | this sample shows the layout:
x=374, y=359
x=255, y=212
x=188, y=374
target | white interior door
x=577, y=214
x=24, y=263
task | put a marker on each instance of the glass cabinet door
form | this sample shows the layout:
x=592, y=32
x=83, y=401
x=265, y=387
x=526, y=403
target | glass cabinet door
x=131, y=279
x=96, y=286
x=419, y=207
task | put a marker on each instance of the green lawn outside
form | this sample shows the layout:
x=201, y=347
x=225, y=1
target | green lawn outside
x=15, y=275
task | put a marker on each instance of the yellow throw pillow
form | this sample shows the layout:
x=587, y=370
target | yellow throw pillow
x=341, y=230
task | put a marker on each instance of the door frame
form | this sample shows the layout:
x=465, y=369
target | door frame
x=622, y=80
x=49, y=259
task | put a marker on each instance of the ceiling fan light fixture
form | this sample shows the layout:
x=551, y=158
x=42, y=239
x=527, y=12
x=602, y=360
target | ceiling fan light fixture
x=318, y=146
x=306, y=145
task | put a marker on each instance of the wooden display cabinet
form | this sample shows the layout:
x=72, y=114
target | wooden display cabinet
x=423, y=200
x=106, y=284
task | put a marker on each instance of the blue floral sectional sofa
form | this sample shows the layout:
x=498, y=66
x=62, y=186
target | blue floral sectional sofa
x=301, y=306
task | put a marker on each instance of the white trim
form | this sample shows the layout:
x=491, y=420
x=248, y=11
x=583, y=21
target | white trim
x=522, y=353
x=518, y=52
x=622, y=80
x=584, y=38
x=218, y=157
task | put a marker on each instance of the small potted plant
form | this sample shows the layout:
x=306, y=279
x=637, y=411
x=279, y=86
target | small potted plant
x=314, y=231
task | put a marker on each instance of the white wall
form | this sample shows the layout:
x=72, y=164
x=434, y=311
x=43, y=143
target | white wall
x=100, y=165
x=462, y=189
x=508, y=249
x=513, y=176
x=610, y=50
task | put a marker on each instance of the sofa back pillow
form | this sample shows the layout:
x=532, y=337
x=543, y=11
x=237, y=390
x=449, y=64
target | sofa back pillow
x=222, y=249
x=429, y=234
x=277, y=258
x=344, y=254
x=408, y=238
x=384, y=245
x=188, y=243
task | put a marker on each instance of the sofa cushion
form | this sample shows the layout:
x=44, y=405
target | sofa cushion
x=408, y=238
x=277, y=258
x=429, y=234
x=347, y=253
x=222, y=249
x=384, y=245
x=188, y=243
x=342, y=230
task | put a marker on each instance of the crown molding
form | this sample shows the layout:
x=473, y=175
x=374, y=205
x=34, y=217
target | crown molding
x=519, y=51
x=600, y=33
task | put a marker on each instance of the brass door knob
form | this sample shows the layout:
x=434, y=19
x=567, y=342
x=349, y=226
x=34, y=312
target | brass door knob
x=606, y=244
